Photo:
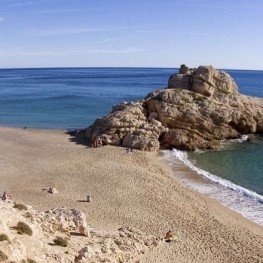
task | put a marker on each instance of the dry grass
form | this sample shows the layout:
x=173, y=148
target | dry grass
x=59, y=241
x=20, y=207
x=3, y=256
x=23, y=228
x=4, y=237
x=31, y=260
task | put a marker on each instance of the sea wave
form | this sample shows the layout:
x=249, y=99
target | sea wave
x=62, y=97
x=242, y=200
x=182, y=156
x=32, y=99
x=243, y=138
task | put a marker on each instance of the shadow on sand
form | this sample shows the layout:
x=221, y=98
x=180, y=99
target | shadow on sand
x=78, y=137
x=82, y=201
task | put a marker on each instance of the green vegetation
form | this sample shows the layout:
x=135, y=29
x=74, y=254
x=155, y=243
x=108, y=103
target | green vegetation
x=20, y=207
x=186, y=99
x=31, y=260
x=4, y=237
x=23, y=228
x=3, y=256
x=59, y=241
x=224, y=91
x=178, y=90
x=199, y=98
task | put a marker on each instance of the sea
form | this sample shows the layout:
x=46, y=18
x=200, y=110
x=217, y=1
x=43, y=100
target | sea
x=73, y=98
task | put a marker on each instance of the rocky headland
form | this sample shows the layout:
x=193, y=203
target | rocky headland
x=199, y=108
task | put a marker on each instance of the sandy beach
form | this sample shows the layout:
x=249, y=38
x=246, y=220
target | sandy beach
x=128, y=189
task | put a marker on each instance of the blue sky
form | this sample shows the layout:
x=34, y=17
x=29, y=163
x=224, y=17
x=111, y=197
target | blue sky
x=143, y=33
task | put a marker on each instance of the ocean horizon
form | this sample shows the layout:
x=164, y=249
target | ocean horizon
x=73, y=98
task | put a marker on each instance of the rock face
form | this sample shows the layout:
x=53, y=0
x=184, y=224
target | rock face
x=199, y=108
x=90, y=245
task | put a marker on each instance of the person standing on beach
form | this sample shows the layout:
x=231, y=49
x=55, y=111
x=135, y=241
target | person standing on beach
x=4, y=197
x=98, y=142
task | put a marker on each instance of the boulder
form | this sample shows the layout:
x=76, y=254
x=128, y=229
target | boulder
x=199, y=108
x=204, y=80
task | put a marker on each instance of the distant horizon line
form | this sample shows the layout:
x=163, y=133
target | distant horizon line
x=114, y=67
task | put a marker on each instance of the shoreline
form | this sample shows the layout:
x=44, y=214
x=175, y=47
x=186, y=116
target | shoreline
x=128, y=189
x=237, y=198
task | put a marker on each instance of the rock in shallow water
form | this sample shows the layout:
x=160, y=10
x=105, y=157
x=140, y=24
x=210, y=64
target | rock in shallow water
x=199, y=108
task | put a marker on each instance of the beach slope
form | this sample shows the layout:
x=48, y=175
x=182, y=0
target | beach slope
x=133, y=189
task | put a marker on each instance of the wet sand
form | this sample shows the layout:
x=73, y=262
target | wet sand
x=128, y=189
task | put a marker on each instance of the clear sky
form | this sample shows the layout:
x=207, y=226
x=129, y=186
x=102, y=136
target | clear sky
x=137, y=33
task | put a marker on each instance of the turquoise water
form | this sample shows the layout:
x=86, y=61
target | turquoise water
x=72, y=98
x=237, y=168
x=239, y=162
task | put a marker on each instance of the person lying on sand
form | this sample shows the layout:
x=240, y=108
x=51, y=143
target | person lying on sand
x=170, y=237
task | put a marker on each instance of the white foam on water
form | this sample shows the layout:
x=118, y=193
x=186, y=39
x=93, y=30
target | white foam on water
x=236, y=197
x=243, y=138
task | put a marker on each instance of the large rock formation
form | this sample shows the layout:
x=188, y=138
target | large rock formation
x=199, y=108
